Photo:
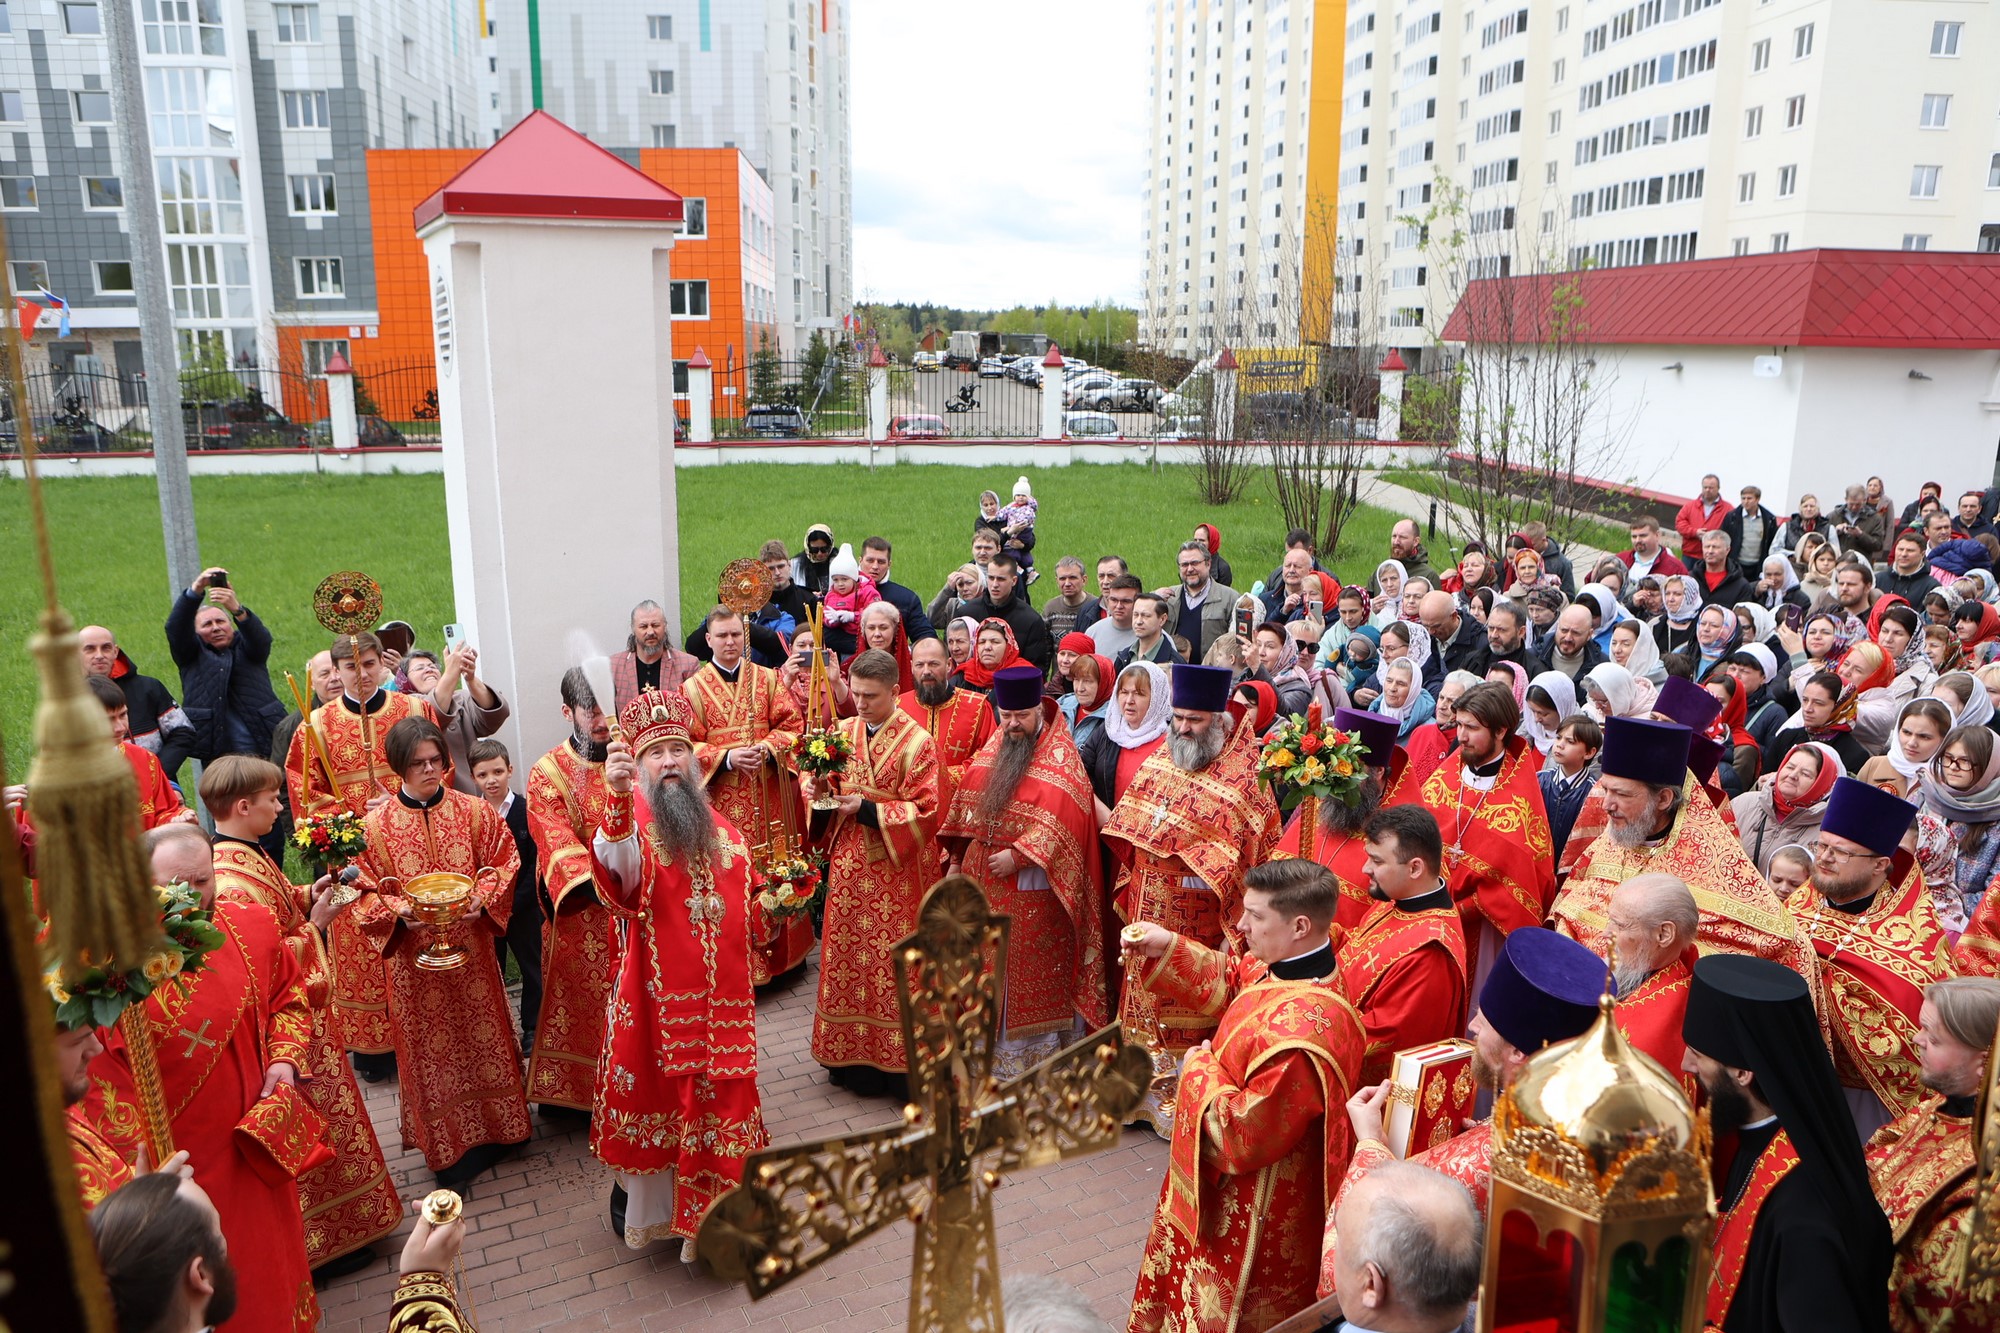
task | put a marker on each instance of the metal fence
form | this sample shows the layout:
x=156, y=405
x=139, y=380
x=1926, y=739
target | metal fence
x=242, y=407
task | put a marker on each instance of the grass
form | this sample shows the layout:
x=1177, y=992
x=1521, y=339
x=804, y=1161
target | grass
x=1590, y=532
x=279, y=536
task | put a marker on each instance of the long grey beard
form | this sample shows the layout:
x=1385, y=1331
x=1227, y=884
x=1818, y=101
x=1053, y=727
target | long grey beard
x=1629, y=979
x=933, y=693
x=681, y=817
x=1343, y=820
x=1191, y=754
x=1003, y=778
x=1627, y=836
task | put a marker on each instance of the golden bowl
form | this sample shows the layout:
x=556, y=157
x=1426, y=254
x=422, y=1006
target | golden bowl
x=439, y=899
x=441, y=888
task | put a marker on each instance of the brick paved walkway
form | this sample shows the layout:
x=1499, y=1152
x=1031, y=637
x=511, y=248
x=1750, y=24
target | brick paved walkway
x=539, y=1253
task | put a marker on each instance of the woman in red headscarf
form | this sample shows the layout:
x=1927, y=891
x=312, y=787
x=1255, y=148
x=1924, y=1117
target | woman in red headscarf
x=1786, y=807
x=1977, y=625
x=1218, y=568
x=993, y=649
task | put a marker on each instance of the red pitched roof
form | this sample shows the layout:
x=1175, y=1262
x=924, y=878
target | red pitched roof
x=1800, y=298
x=544, y=169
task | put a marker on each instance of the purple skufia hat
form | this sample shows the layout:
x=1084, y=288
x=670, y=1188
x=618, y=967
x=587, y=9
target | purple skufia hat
x=1201, y=689
x=1688, y=704
x=1643, y=750
x=1543, y=988
x=1377, y=733
x=1017, y=687
x=1864, y=813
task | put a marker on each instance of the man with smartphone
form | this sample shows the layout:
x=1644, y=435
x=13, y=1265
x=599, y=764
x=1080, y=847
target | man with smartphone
x=224, y=654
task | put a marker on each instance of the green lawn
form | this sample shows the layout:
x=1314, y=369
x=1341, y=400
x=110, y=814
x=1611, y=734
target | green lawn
x=280, y=535
x=1590, y=532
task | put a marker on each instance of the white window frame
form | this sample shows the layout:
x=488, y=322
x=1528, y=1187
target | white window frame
x=666, y=136
x=297, y=23
x=319, y=182
x=83, y=184
x=656, y=78
x=1795, y=112
x=659, y=27
x=314, y=353
x=1993, y=173
x=1916, y=240
x=97, y=277
x=30, y=283
x=326, y=274
x=305, y=109
x=76, y=105
x=1753, y=122
x=6, y=20
x=1935, y=112
x=683, y=293
x=1746, y=187
x=34, y=195
x=1781, y=241
x=1924, y=186
x=1760, y=55
x=1945, y=37
x=1802, y=41
x=694, y=219
x=1788, y=181
x=20, y=102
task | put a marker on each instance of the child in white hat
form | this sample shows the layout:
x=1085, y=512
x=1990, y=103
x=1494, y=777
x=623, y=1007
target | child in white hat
x=1017, y=528
x=849, y=592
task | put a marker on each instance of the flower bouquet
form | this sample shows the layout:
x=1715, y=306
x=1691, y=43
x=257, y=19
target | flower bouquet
x=790, y=886
x=823, y=752
x=1305, y=762
x=330, y=839
x=94, y=994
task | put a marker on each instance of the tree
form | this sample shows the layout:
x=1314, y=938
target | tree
x=765, y=371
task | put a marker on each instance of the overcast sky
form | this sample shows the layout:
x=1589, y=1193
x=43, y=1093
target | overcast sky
x=999, y=150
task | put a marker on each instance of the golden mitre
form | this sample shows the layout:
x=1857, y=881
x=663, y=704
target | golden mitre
x=1601, y=1206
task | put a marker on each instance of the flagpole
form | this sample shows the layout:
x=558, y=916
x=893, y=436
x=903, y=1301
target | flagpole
x=132, y=141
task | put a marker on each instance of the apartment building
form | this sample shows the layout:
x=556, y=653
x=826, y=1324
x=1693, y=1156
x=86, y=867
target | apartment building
x=1611, y=134
x=260, y=115
x=1245, y=100
x=768, y=78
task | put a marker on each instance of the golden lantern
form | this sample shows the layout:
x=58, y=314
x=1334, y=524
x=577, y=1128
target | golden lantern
x=1601, y=1206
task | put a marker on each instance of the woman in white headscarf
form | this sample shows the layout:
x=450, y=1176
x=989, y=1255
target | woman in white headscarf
x=1387, y=604
x=1404, y=697
x=1634, y=648
x=1136, y=725
x=1610, y=612
x=1967, y=699
x=1680, y=607
x=1612, y=691
x=1780, y=585
x=1551, y=698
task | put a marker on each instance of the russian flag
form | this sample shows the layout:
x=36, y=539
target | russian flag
x=32, y=307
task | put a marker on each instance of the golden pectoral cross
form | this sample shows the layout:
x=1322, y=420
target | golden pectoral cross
x=198, y=1038
x=799, y=1206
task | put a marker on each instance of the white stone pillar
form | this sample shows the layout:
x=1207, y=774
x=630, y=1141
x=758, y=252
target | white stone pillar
x=559, y=497
x=1389, y=404
x=345, y=425
x=701, y=398
x=878, y=394
x=1052, y=394
x=1224, y=374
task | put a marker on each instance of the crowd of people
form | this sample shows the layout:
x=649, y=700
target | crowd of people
x=1744, y=773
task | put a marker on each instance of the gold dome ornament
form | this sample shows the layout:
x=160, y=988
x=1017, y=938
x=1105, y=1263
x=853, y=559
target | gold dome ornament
x=1601, y=1209
x=347, y=602
x=745, y=586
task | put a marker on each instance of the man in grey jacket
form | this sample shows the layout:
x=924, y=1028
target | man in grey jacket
x=1203, y=610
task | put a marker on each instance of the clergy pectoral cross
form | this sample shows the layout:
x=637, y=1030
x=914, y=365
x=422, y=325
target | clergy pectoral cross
x=704, y=905
x=198, y=1038
x=799, y=1206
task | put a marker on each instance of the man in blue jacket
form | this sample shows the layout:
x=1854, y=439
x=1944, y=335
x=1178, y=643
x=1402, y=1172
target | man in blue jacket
x=224, y=653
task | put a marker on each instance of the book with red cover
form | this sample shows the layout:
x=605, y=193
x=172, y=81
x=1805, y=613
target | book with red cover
x=1431, y=1095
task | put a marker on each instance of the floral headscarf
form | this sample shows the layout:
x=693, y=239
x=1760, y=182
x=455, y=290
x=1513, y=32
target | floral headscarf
x=977, y=674
x=1691, y=596
x=1519, y=686
x=1420, y=645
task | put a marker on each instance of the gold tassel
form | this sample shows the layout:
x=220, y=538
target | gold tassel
x=93, y=873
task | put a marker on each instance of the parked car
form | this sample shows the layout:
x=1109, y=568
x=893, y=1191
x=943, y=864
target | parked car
x=1124, y=396
x=1284, y=412
x=248, y=422
x=775, y=421
x=1184, y=427
x=1091, y=426
x=992, y=368
x=1027, y=370
x=374, y=432
x=1083, y=390
x=925, y=362
x=917, y=426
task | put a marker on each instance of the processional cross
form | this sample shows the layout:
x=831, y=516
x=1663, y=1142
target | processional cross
x=961, y=1133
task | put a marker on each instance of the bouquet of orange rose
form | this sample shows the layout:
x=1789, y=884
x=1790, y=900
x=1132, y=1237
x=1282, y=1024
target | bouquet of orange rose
x=1306, y=759
x=789, y=887
x=93, y=992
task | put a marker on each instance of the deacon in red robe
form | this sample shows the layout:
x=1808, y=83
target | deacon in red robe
x=1924, y=1163
x=1261, y=1137
x=677, y=1107
x=347, y=736
x=238, y=1028
x=1339, y=841
x=1194, y=820
x=100, y=1166
x=1402, y=966
x=1879, y=943
x=744, y=727
x=1021, y=826
x=958, y=720
x=159, y=803
x=566, y=796
x=459, y=1066
x=1542, y=989
x=348, y=1202
x=881, y=860
x=1977, y=953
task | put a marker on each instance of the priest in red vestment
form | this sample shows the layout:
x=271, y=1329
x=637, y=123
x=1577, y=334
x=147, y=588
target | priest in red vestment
x=566, y=797
x=881, y=859
x=1924, y=1163
x=226, y=1039
x=1339, y=841
x=1977, y=953
x=348, y=736
x=349, y=1202
x=677, y=1106
x=744, y=727
x=1653, y=921
x=100, y=1166
x=1021, y=826
x=1402, y=966
x=1261, y=1138
x=1879, y=943
x=1194, y=820
x=460, y=1067
x=1542, y=989
x=958, y=720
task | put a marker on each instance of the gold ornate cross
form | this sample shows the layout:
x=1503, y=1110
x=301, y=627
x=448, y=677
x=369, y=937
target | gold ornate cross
x=799, y=1206
x=198, y=1038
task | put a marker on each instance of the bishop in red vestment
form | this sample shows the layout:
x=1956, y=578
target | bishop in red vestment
x=958, y=720
x=226, y=1039
x=459, y=1065
x=1402, y=966
x=1339, y=842
x=350, y=734
x=677, y=1105
x=744, y=727
x=1022, y=826
x=349, y=1201
x=1542, y=989
x=881, y=860
x=580, y=948
x=1260, y=1135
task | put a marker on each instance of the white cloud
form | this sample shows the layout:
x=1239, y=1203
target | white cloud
x=999, y=150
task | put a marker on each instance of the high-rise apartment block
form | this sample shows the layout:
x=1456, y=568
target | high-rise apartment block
x=766, y=77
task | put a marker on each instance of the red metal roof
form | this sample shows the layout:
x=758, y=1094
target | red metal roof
x=544, y=169
x=1800, y=298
